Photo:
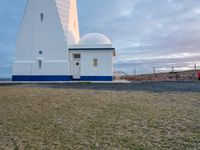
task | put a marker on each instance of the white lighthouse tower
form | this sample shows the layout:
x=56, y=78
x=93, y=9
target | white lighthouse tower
x=49, y=47
x=48, y=28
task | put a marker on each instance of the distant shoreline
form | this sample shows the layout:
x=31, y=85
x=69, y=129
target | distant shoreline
x=5, y=79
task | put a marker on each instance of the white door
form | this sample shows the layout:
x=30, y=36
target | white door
x=76, y=67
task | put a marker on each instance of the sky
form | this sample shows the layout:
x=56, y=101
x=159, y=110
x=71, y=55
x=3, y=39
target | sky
x=145, y=33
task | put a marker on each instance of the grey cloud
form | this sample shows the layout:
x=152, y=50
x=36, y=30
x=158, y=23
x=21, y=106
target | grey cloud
x=141, y=30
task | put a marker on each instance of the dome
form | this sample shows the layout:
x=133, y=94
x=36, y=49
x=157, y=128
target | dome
x=94, y=38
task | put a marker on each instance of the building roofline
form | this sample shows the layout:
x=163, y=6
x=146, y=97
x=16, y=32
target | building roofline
x=93, y=49
x=71, y=49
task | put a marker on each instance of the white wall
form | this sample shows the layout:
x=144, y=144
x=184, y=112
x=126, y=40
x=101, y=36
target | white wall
x=73, y=24
x=105, y=62
x=51, y=36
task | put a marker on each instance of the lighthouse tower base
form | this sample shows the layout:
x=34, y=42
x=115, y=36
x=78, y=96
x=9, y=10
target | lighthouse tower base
x=53, y=71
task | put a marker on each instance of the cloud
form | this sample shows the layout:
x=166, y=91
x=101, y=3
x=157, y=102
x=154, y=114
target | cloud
x=145, y=33
x=148, y=33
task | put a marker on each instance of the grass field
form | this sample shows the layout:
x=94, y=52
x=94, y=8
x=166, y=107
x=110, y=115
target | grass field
x=36, y=117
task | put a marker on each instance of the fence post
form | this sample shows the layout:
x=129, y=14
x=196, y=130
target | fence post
x=134, y=72
x=195, y=67
x=154, y=70
x=172, y=68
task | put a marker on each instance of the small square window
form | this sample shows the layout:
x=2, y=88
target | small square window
x=40, y=64
x=40, y=52
x=41, y=16
x=77, y=56
x=95, y=62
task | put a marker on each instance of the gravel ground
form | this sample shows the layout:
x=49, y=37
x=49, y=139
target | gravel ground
x=149, y=86
x=138, y=86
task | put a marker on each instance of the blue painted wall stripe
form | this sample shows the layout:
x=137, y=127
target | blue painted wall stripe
x=96, y=78
x=41, y=78
x=59, y=78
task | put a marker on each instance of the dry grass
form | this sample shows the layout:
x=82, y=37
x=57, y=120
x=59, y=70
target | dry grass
x=41, y=118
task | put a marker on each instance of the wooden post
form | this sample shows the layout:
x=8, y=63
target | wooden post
x=154, y=70
x=172, y=68
x=195, y=67
x=134, y=72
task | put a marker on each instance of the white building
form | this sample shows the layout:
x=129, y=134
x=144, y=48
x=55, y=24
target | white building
x=49, y=47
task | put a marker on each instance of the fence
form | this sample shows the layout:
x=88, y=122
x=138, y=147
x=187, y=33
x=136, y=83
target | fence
x=156, y=73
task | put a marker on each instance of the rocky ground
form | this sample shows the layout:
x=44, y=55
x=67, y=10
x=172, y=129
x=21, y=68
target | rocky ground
x=190, y=75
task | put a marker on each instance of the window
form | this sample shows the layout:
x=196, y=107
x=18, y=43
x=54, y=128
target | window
x=41, y=17
x=77, y=56
x=40, y=52
x=40, y=64
x=95, y=62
